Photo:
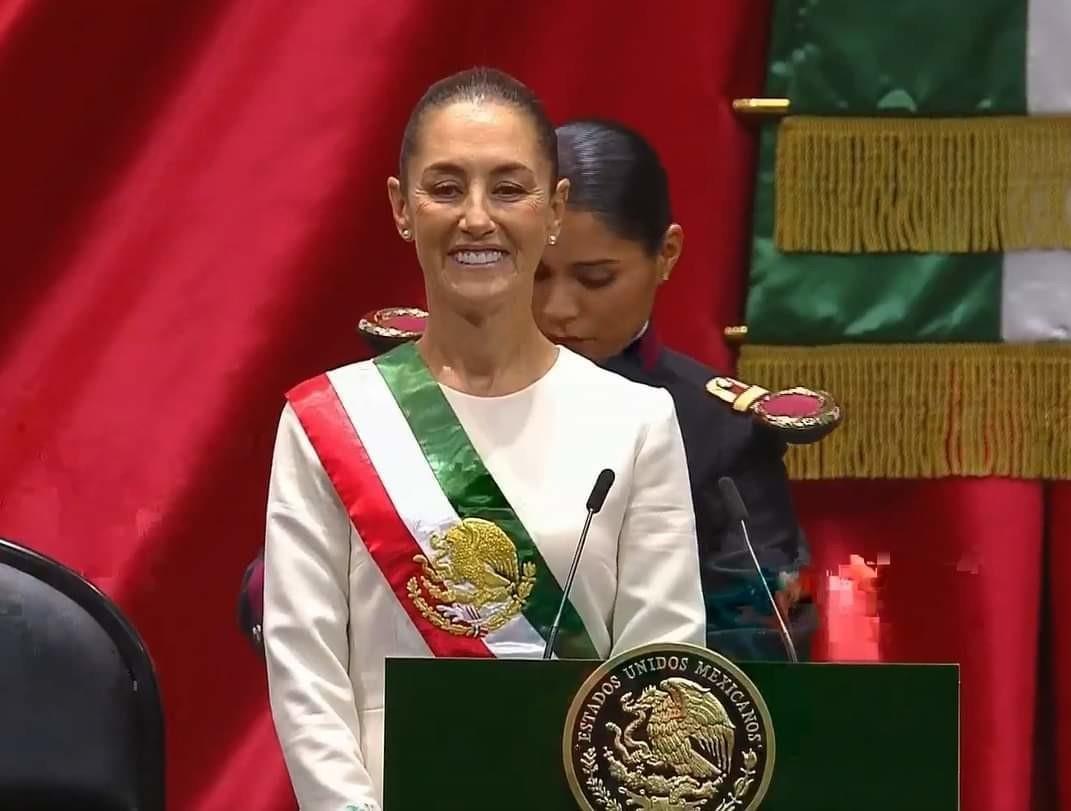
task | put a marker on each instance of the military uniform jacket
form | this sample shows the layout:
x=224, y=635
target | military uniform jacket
x=721, y=442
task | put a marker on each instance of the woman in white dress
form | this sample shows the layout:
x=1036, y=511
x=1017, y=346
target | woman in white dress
x=428, y=503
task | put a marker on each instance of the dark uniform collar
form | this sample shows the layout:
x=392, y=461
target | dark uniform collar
x=645, y=348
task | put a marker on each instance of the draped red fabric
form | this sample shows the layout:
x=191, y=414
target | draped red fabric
x=193, y=217
x=1055, y=706
x=959, y=580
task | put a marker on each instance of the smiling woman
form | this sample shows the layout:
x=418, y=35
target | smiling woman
x=427, y=503
x=478, y=192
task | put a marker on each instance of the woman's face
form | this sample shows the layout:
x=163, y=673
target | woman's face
x=478, y=202
x=594, y=290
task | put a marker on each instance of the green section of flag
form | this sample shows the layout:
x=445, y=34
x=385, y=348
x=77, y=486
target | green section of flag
x=809, y=298
x=866, y=58
x=930, y=57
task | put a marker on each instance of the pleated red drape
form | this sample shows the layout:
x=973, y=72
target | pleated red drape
x=960, y=580
x=1055, y=699
x=193, y=217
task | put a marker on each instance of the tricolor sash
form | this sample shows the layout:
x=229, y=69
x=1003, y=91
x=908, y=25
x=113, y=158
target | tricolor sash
x=432, y=517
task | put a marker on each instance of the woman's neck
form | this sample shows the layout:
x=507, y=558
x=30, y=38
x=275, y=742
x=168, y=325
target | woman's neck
x=497, y=354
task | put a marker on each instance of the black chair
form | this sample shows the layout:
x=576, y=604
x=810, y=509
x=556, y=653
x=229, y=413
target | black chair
x=81, y=721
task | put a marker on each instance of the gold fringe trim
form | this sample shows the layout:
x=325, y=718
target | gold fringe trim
x=877, y=185
x=925, y=411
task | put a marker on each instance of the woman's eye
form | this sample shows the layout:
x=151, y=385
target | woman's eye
x=446, y=190
x=595, y=282
x=509, y=190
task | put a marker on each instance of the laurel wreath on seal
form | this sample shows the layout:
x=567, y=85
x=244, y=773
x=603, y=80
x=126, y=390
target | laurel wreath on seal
x=589, y=764
x=741, y=784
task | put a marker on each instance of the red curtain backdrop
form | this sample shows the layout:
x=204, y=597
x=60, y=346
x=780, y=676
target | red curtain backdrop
x=1055, y=699
x=960, y=580
x=193, y=217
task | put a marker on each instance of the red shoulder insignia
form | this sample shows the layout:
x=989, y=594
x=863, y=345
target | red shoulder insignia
x=799, y=415
x=388, y=327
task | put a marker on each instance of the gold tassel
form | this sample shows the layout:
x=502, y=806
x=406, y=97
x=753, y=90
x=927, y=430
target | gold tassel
x=963, y=185
x=926, y=411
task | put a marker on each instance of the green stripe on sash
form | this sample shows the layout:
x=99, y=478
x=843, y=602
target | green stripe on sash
x=473, y=492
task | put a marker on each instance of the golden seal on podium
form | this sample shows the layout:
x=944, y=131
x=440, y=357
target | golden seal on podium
x=668, y=728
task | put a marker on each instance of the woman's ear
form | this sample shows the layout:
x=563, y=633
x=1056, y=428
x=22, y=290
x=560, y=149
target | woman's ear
x=558, y=199
x=399, y=208
x=670, y=252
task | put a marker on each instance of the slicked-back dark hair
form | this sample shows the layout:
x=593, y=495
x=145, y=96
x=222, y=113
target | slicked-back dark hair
x=481, y=84
x=616, y=174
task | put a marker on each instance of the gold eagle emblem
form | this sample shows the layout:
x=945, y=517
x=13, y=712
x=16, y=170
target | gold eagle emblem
x=473, y=583
x=679, y=713
x=688, y=733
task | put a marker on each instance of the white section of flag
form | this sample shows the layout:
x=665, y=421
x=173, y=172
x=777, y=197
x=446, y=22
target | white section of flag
x=1036, y=285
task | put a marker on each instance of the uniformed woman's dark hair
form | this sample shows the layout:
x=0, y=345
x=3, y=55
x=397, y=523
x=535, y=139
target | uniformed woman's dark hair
x=481, y=84
x=615, y=174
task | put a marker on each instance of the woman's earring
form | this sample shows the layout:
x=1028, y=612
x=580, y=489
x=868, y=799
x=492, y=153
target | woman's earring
x=407, y=234
x=552, y=239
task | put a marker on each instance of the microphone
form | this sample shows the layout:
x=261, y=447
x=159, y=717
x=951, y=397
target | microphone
x=595, y=501
x=738, y=512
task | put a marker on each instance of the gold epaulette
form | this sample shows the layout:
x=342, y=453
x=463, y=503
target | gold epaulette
x=799, y=415
x=388, y=327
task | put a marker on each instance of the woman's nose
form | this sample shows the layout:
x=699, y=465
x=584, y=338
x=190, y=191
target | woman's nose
x=557, y=304
x=475, y=219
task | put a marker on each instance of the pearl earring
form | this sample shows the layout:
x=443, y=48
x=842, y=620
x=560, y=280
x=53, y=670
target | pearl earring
x=406, y=234
x=552, y=239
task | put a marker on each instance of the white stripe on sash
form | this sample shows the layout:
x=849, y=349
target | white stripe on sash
x=411, y=483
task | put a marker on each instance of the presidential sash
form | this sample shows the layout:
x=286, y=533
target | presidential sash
x=432, y=517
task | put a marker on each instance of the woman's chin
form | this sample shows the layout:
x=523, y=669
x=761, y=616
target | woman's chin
x=486, y=289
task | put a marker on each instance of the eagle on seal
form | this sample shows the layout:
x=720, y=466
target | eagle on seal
x=682, y=713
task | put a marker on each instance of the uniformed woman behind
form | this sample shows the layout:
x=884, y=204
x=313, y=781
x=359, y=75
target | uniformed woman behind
x=594, y=293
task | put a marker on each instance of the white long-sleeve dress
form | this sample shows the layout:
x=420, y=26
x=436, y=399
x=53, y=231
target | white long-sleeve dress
x=338, y=598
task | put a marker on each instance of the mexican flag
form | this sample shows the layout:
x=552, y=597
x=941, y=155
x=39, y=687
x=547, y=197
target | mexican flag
x=911, y=236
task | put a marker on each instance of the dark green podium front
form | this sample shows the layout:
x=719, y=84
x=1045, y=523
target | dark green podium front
x=478, y=734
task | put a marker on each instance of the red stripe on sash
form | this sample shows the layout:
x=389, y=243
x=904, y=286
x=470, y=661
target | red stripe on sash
x=370, y=508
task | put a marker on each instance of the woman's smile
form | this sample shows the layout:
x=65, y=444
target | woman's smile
x=473, y=258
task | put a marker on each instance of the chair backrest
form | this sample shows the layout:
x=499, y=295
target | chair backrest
x=81, y=721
